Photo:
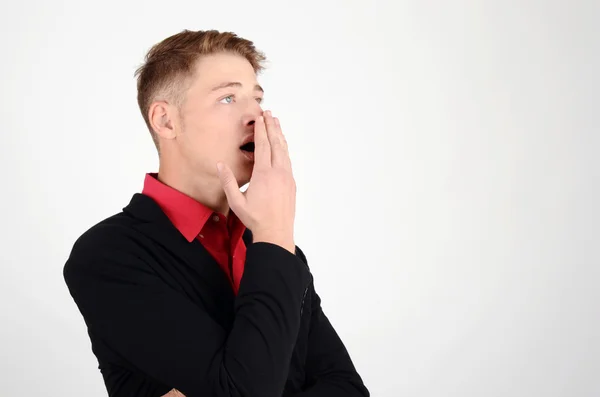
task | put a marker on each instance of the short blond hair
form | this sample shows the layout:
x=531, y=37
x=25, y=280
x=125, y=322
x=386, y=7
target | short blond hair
x=170, y=63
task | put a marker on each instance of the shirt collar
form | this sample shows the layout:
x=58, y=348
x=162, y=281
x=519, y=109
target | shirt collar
x=186, y=214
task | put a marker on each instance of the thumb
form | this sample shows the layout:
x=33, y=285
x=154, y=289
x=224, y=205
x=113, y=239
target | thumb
x=234, y=197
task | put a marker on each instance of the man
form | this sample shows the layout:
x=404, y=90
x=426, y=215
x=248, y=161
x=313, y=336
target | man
x=196, y=288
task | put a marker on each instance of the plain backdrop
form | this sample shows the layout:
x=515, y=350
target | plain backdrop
x=446, y=157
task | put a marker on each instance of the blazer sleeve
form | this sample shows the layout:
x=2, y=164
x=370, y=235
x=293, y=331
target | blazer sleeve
x=329, y=368
x=167, y=337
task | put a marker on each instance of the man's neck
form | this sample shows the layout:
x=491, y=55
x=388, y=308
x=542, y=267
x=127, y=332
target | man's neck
x=205, y=189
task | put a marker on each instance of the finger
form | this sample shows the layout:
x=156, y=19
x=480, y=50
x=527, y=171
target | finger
x=273, y=135
x=279, y=156
x=280, y=132
x=283, y=159
x=271, y=131
x=262, y=147
x=235, y=198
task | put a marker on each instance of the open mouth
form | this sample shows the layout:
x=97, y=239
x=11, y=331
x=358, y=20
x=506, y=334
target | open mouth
x=248, y=151
x=249, y=147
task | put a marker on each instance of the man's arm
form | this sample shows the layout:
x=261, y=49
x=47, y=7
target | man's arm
x=329, y=368
x=170, y=339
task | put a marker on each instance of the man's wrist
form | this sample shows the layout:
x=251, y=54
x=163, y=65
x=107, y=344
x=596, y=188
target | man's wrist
x=286, y=242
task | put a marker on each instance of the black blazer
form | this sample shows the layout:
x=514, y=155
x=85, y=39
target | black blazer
x=161, y=314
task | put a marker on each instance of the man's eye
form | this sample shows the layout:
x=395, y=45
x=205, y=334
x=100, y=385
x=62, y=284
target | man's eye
x=227, y=99
x=259, y=100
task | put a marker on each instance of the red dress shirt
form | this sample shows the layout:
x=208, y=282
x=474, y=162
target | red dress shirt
x=221, y=236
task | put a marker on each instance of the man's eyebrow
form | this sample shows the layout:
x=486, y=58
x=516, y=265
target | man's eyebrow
x=236, y=84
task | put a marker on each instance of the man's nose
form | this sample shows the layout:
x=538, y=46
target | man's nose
x=252, y=115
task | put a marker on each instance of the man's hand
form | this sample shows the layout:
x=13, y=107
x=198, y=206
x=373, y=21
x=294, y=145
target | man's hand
x=268, y=206
x=174, y=393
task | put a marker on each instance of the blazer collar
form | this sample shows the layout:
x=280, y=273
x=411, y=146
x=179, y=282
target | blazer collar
x=145, y=209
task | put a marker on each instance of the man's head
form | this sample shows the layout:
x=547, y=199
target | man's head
x=199, y=97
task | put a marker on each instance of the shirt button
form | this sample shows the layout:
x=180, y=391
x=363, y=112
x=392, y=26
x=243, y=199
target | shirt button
x=201, y=235
x=216, y=218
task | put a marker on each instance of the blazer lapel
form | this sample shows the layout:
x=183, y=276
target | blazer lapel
x=157, y=226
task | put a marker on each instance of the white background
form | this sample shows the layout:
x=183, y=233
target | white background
x=446, y=161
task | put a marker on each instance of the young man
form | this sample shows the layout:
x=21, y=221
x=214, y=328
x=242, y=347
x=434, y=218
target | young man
x=196, y=288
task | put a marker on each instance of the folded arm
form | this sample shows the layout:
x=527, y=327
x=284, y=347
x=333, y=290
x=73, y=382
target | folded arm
x=329, y=368
x=175, y=342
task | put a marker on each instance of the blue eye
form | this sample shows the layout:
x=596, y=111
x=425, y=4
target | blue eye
x=227, y=99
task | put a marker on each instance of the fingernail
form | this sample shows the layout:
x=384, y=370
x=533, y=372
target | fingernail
x=219, y=167
x=268, y=113
x=261, y=119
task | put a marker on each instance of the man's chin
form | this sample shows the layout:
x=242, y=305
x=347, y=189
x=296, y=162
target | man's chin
x=243, y=176
x=242, y=170
x=243, y=186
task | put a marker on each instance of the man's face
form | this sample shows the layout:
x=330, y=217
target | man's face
x=218, y=112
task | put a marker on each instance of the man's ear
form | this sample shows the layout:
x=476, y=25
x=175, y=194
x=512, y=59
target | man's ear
x=162, y=119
